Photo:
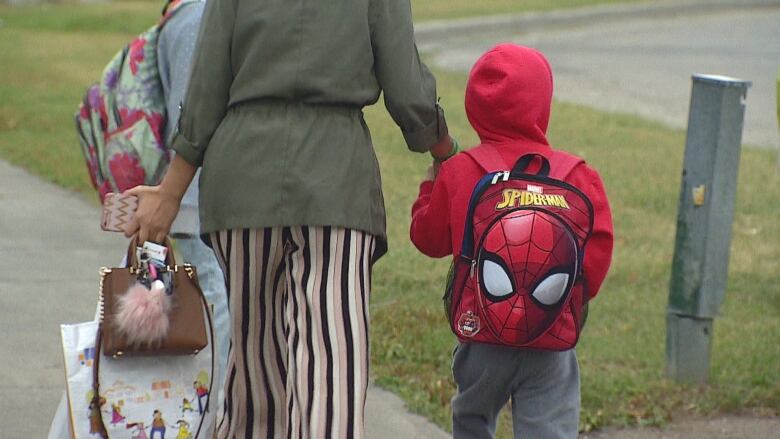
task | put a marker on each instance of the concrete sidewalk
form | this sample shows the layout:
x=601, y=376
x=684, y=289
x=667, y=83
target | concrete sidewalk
x=50, y=252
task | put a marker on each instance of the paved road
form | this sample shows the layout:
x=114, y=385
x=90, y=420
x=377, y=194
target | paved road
x=50, y=251
x=642, y=62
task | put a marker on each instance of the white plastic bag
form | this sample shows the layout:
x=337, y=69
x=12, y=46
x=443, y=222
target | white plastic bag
x=78, y=346
x=138, y=395
x=60, y=424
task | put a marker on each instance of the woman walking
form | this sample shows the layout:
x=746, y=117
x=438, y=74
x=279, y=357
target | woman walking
x=290, y=195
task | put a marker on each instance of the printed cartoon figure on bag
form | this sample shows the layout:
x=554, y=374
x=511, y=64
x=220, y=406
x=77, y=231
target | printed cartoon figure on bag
x=186, y=406
x=129, y=402
x=184, y=430
x=158, y=425
x=139, y=431
x=116, y=414
x=202, y=392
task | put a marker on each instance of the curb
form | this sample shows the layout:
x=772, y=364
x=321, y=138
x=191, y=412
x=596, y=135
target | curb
x=436, y=30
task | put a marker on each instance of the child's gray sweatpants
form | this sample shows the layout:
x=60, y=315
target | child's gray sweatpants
x=544, y=387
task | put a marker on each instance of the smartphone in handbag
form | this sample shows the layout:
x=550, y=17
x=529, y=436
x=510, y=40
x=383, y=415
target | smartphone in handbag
x=118, y=211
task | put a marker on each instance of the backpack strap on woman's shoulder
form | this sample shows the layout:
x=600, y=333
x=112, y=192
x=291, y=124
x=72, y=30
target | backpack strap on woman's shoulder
x=170, y=8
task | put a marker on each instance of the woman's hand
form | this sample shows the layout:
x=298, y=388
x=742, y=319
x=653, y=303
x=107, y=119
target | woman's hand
x=159, y=205
x=156, y=211
x=445, y=148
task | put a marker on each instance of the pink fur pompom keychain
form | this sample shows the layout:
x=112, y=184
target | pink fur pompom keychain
x=143, y=314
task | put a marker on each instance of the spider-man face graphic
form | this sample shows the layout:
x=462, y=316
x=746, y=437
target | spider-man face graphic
x=527, y=265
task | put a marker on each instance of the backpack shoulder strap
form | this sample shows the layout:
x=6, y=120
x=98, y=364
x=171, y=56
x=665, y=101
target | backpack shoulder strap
x=562, y=163
x=171, y=7
x=488, y=158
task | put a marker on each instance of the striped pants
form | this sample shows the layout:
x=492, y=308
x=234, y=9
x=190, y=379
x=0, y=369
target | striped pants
x=298, y=361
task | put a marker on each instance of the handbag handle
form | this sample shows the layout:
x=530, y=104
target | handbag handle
x=132, y=260
x=101, y=427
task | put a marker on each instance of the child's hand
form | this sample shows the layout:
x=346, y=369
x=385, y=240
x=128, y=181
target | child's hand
x=430, y=175
x=433, y=171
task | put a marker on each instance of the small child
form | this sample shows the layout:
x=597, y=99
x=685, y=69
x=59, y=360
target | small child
x=508, y=101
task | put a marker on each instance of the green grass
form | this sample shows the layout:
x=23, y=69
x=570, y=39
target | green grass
x=49, y=59
x=124, y=15
x=109, y=17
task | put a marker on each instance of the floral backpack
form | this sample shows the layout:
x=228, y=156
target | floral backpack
x=121, y=120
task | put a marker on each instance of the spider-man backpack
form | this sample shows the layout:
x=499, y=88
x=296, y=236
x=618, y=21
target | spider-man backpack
x=518, y=279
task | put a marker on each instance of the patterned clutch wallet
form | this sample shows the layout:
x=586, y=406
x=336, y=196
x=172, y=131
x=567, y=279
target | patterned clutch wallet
x=118, y=211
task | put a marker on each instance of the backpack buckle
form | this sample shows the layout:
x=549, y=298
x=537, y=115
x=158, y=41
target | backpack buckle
x=500, y=176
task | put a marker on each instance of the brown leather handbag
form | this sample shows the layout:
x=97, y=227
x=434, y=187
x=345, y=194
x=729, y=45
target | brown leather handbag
x=190, y=318
x=187, y=329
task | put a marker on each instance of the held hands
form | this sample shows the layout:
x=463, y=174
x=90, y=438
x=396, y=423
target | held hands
x=443, y=150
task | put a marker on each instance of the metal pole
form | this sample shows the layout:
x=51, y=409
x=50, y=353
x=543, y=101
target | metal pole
x=705, y=215
x=777, y=96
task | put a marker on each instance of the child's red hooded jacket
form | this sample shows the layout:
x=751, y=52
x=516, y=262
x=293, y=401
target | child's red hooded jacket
x=508, y=99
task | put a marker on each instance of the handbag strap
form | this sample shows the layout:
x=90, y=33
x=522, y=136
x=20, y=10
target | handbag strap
x=194, y=278
x=98, y=355
x=96, y=386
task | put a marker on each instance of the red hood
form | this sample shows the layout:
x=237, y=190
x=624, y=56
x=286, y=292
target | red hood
x=508, y=95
